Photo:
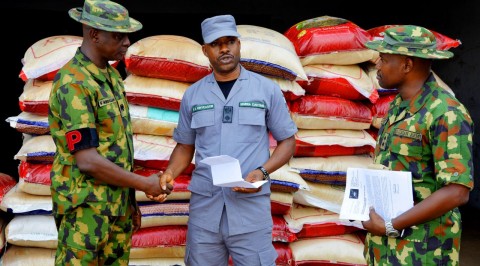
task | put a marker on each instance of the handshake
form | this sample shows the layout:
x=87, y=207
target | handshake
x=160, y=185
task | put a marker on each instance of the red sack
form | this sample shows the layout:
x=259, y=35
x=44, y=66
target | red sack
x=166, y=236
x=35, y=173
x=6, y=183
x=332, y=107
x=325, y=35
x=280, y=231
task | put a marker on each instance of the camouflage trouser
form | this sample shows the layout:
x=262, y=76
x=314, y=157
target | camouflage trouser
x=87, y=238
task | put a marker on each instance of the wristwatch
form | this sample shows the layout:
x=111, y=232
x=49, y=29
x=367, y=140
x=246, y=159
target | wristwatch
x=390, y=231
x=266, y=175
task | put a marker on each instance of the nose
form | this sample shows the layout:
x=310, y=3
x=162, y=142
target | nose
x=224, y=47
x=126, y=41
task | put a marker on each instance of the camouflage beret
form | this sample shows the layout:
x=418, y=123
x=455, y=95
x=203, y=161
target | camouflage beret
x=409, y=40
x=105, y=15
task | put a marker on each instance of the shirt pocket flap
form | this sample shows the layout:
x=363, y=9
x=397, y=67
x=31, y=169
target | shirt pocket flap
x=204, y=118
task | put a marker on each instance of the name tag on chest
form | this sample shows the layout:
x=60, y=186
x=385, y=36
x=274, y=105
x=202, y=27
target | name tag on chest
x=104, y=102
x=407, y=134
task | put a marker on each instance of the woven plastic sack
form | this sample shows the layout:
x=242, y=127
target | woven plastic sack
x=330, y=142
x=29, y=123
x=291, y=89
x=328, y=170
x=327, y=112
x=32, y=231
x=27, y=256
x=153, y=121
x=38, y=149
x=330, y=40
x=155, y=92
x=6, y=184
x=280, y=231
x=284, y=180
x=160, y=241
x=268, y=52
x=154, y=152
x=280, y=202
x=19, y=202
x=344, y=249
x=34, y=98
x=164, y=213
x=169, y=57
x=45, y=57
x=308, y=221
x=328, y=197
x=348, y=82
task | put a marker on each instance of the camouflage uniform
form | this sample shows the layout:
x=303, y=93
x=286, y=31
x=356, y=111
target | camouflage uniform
x=431, y=136
x=83, y=98
x=88, y=108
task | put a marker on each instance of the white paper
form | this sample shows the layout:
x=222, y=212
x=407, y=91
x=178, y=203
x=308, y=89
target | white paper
x=389, y=192
x=226, y=172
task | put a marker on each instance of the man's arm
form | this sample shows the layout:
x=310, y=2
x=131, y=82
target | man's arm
x=180, y=159
x=440, y=202
x=280, y=156
x=93, y=164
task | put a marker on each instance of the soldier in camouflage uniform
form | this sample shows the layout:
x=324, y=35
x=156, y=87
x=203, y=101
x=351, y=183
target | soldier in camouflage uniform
x=429, y=133
x=93, y=186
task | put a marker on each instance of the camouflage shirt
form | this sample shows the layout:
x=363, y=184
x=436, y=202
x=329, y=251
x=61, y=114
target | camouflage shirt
x=83, y=98
x=431, y=136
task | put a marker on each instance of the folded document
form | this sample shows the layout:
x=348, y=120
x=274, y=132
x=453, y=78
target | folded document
x=226, y=172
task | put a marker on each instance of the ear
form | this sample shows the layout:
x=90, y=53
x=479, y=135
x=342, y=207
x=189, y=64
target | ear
x=204, y=50
x=408, y=66
x=93, y=33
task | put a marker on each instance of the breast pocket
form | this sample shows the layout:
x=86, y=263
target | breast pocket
x=110, y=121
x=252, y=124
x=203, y=122
x=407, y=155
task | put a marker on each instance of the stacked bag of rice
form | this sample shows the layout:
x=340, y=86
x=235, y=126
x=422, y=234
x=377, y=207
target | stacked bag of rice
x=333, y=119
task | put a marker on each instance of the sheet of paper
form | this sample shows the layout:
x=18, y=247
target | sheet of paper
x=389, y=192
x=226, y=172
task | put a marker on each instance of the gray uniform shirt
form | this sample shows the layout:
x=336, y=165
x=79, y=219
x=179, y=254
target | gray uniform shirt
x=259, y=107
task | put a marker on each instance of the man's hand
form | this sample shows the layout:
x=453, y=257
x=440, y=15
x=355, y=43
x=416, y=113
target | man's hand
x=376, y=224
x=166, y=184
x=154, y=187
x=252, y=177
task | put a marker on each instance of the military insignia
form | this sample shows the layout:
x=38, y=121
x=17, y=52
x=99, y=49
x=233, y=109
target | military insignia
x=106, y=101
x=252, y=104
x=202, y=107
x=407, y=134
x=383, y=142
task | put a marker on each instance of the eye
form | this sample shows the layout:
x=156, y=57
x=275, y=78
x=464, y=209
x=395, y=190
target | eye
x=119, y=36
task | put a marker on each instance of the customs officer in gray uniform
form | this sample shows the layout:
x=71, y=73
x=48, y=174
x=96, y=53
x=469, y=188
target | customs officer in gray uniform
x=230, y=112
